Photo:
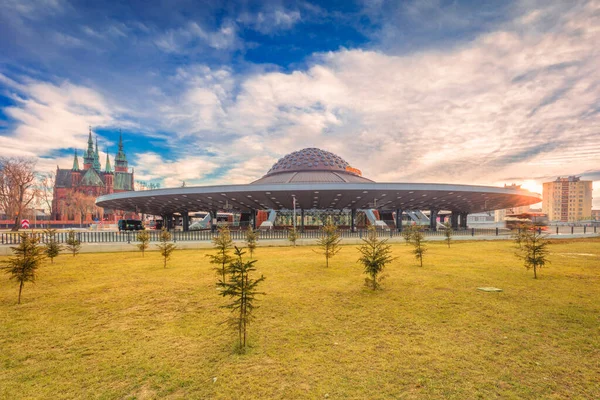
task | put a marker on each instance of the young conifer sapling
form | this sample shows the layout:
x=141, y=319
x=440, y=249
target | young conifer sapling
x=251, y=240
x=223, y=245
x=375, y=255
x=241, y=288
x=329, y=243
x=27, y=258
x=73, y=244
x=143, y=237
x=165, y=246
x=52, y=247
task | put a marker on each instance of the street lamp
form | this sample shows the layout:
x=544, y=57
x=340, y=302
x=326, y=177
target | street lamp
x=294, y=202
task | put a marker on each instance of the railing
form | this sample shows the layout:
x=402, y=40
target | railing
x=206, y=235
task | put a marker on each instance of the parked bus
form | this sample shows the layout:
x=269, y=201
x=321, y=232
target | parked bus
x=529, y=219
x=130, y=225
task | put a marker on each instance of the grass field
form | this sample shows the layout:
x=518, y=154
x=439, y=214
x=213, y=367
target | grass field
x=121, y=326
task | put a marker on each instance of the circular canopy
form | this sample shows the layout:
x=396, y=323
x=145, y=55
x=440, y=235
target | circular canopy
x=318, y=179
x=382, y=196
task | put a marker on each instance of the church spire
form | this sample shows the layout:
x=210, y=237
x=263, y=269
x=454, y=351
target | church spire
x=88, y=155
x=75, y=162
x=121, y=158
x=107, y=167
x=97, y=166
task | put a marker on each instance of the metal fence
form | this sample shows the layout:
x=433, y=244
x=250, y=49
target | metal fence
x=205, y=235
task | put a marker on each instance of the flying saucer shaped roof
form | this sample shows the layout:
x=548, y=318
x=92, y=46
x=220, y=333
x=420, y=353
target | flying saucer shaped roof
x=317, y=179
x=312, y=165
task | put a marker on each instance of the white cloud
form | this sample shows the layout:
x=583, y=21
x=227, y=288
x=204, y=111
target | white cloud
x=268, y=21
x=51, y=117
x=192, y=38
x=189, y=169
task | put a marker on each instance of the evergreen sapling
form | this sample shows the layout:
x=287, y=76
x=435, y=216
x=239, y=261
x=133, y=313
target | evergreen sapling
x=27, y=258
x=143, y=237
x=73, y=244
x=52, y=247
x=251, y=240
x=223, y=244
x=242, y=290
x=329, y=242
x=166, y=248
x=375, y=255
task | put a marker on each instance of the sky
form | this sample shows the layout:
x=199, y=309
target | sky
x=215, y=92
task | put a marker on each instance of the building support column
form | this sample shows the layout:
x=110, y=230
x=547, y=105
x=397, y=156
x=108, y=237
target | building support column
x=213, y=221
x=433, y=219
x=454, y=220
x=254, y=213
x=399, y=220
x=302, y=219
x=463, y=220
x=353, y=220
x=185, y=220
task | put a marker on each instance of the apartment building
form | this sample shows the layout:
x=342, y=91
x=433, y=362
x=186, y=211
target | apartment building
x=567, y=199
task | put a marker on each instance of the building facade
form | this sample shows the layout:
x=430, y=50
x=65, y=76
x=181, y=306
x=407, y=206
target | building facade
x=76, y=189
x=567, y=199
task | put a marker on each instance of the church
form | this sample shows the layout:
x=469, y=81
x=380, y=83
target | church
x=76, y=189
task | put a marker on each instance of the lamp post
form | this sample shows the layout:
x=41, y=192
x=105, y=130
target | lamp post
x=294, y=202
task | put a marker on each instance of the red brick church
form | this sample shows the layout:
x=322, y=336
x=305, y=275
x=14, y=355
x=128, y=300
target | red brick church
x=76, y=189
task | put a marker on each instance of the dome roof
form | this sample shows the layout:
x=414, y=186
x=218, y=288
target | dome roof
x=310, y=159
x=312, y=165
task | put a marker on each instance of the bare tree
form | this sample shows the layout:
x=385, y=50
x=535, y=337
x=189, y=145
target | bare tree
x=81, y=204
x=46, y=190
x=17, y=186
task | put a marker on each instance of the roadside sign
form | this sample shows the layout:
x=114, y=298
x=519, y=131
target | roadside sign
x=25, y=224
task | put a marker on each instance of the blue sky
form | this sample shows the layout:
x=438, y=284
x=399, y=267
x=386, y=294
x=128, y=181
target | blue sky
x=208, y=92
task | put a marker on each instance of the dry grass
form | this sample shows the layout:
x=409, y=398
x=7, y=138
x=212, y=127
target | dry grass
x=121, y=326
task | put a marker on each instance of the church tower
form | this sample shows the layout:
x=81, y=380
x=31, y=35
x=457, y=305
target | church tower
x=120, y=159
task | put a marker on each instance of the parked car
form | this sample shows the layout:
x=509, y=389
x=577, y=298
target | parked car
x=155, y=225
x=130, y=225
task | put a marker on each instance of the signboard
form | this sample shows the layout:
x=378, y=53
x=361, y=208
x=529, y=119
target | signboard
x=354, y=170
x=25, y=224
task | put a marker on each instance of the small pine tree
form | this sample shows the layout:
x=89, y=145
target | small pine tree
x=519, y=235
x=293, y=236
x=223, y=244
x=251, y=240
x=28, y=256
x=407, y=233
x=52, y=248
x=329, y=242
x=375, y=255
x=418, y=242
x=73, y=244
x=143, y=237
x=534, y=247
x=242, y=291
x=448, y=232
x=166, y=248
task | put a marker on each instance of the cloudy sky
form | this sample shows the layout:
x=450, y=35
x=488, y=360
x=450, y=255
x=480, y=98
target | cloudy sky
x=476, y=92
